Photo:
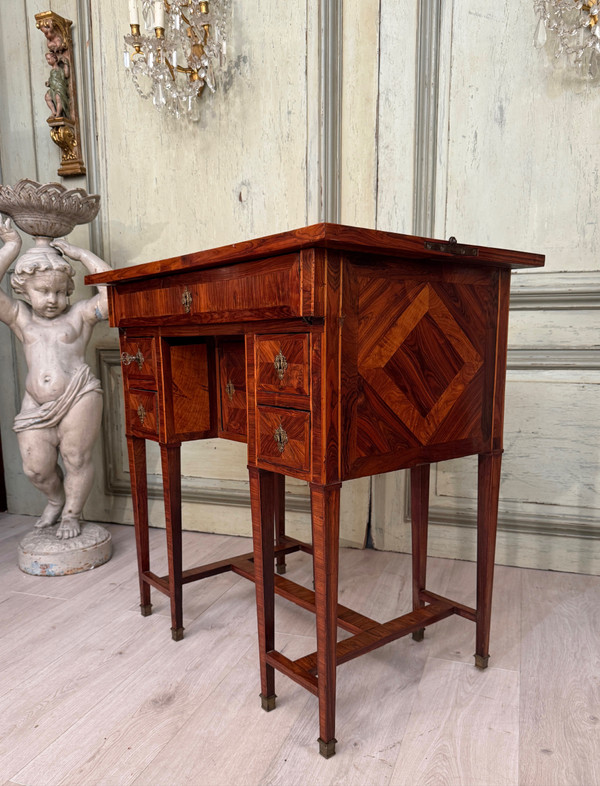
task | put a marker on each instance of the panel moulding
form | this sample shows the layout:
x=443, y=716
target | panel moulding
x=555, y=291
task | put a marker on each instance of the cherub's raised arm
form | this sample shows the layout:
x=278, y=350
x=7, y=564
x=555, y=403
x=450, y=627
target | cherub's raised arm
x=8, y=253
x=98, y=305
x=12, y=245
x=89, y=260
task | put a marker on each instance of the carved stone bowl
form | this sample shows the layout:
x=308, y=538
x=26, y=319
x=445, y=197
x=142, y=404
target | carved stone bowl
x=48, y=210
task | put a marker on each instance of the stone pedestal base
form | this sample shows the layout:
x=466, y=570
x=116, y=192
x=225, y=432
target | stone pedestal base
x=41, y=553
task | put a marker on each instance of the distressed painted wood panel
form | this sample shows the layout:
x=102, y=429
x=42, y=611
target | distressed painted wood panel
x=514, y=167
x=521, y=141
x=248, y=168
x=395, y=86
x=238, y=173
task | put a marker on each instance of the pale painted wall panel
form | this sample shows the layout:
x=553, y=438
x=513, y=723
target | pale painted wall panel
x=241, y=172
x=359, y=112
x=396, y=115
x=517, y=167
x=167, y=188
x=552, y=450
x=172, y=188
x=523, y=166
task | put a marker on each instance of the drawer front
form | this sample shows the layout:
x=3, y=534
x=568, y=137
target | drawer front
x=282, y=364
x=138, y=361
x=283, y=438
x=265, y=289
x=141, y=413
x=232, y=389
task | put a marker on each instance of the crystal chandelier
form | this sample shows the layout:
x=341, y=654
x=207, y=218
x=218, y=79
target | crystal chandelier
x=576, y=29
x=177, y=53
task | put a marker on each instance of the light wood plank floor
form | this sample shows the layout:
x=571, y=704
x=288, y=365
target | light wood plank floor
x=93, y=693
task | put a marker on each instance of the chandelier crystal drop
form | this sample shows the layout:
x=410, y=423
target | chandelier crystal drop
x=574, y=26
x=177, y=53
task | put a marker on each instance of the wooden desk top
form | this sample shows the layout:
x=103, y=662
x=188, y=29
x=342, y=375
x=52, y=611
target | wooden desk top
x=331, y=236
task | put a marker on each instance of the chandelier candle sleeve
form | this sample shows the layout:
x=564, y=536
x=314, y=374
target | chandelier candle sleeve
x=134, y=17
x=159, y=14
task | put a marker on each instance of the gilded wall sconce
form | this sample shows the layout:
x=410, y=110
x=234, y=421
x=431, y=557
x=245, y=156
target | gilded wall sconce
x=61, y=96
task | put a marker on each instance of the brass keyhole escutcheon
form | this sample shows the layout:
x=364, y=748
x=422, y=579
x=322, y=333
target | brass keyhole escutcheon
x=281, y=438
x=280, y=364
x=186, y=300
x=230, y=389
x=127, y=359
x=141, y=413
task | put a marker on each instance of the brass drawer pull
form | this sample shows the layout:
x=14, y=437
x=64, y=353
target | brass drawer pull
x=186, y=300
x=280, y=364
x=141, y=413
x=230, y=389
x=281, y=438
x=127, y=359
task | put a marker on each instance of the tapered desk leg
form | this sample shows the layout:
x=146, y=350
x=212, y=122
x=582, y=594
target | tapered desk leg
x=262, y=485
x=419, y=506
x=487, y=520
x=171, y=469
x=279, y=501
x=136, y=449
x=325, y=504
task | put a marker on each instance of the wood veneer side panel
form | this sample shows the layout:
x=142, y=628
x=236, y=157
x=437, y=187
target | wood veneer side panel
x=349, y=378
x=112, y=308
x=307, y=281
x=330, y=364
x=251, y=398
x=418, y=362
x=166, y=428
x=213, y=386
x=219, y=380
x=232, y=410
x=490, y=353
x=312, y=265
x=501, y=354
x=316, y=407
x=412, y=457
x=194, y=390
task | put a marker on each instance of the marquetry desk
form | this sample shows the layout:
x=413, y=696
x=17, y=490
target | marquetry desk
x=336, y=353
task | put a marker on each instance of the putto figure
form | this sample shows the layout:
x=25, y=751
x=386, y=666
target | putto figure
x=57, y=95
x=62, y=406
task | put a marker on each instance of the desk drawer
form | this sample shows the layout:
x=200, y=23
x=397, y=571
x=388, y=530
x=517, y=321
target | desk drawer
x=283, y=438
x=265, y=289
x=138, y=361
x=282, y=364
x=141, y=412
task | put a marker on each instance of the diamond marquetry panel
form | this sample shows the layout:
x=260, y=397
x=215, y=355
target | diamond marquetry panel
x=419, y=379
x=421, y=364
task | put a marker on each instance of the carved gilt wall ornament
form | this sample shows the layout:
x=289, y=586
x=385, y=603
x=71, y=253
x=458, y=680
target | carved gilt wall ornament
x=61, y=95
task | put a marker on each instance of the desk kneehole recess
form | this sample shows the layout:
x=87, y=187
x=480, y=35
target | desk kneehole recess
x=336, y=353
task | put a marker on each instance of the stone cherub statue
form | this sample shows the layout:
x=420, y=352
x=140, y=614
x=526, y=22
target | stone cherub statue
x=62, y=406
